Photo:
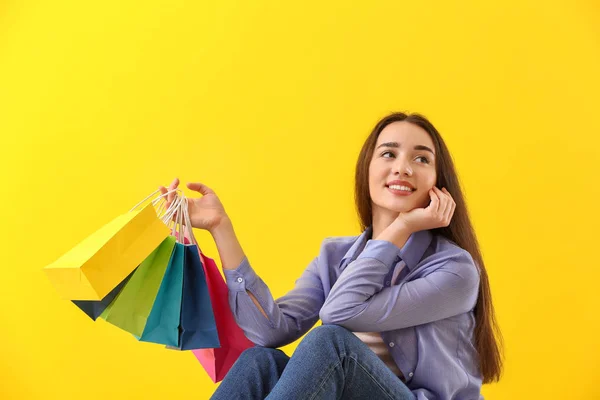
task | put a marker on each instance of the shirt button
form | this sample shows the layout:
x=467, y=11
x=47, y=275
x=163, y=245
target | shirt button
x=391, y=344
x=410, y=374
x=387, y=283
x=240, y=280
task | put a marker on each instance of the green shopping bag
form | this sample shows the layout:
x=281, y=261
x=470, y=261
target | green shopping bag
x=131, y=308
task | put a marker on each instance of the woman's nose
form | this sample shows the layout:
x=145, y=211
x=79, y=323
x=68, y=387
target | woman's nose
x=402, y=167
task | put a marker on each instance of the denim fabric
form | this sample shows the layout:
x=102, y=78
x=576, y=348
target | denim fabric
x=329, y=363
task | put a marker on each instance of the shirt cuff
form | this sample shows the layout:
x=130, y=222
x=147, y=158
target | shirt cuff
x=240, y=278
x=381, y=250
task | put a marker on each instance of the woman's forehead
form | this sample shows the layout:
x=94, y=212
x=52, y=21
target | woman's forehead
x=402, y=132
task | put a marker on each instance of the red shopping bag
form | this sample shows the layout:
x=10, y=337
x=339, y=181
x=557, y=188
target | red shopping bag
x=217, y=362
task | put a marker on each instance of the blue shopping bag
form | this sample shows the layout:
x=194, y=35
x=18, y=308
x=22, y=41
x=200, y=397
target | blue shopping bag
x=197, y=325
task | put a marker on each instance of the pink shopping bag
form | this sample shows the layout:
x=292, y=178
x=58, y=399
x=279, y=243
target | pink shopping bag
x=217, y=362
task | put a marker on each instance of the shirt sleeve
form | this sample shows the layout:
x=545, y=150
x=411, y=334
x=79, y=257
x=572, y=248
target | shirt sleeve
x=359, y=301
x=288, y=318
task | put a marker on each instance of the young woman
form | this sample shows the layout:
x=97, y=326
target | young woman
x=406, y=308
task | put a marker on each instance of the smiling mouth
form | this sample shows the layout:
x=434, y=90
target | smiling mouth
x=400, y=187
x=404, y=191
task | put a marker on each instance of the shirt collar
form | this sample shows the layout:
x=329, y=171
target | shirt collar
x=358, y=244
x=411, y=253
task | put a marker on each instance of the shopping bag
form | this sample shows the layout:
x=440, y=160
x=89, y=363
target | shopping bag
x=162, y=325
x=93, y=308
x=198, y=328
x=217, y=362
x=99, y=263
x=131, y=308
x=197, y=323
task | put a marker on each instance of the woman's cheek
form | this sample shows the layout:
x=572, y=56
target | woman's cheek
x=424, y=200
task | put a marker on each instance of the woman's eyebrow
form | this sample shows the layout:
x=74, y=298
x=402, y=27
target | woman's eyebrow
x=396, y=145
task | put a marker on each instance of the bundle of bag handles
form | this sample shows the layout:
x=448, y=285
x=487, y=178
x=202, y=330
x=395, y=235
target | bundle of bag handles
x=181, y=224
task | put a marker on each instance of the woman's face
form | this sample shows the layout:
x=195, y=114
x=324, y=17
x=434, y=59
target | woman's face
x=404, y=152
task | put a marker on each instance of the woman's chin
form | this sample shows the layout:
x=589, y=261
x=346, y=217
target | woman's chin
x=395, y=208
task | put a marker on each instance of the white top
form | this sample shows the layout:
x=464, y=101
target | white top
x=376, y=344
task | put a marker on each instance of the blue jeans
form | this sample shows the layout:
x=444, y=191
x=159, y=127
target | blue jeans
x=329, y=363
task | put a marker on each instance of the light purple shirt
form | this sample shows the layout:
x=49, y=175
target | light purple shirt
x=425, y=315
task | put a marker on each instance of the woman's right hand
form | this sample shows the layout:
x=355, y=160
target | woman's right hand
x=205, y=212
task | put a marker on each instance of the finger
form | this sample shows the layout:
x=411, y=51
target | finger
x=453, y=209
x=200, y=188
x=448, y=193
x=445, y=205
x=451, y=213
x=444, y=201
x=163, y=191
x=173, y=186
x=451, y=206
x=435, y=201
x=448, y=214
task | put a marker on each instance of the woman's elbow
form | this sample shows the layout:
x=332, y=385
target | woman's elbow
x=334, y=316
x=328, y=315
x=272, y=339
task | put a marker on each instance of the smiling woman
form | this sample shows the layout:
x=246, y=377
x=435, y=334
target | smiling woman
x=410, y=148
x=405, y=306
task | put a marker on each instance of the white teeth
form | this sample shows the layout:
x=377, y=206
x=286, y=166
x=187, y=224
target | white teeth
x=398, y=187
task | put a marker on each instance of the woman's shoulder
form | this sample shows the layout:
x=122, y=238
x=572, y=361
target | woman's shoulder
x=338, y=243
x=443, y=247
x=335, y=248
x=445, y=253
x=340, y=240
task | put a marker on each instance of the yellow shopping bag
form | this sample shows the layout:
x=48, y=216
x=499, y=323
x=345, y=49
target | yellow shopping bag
x=99, y=263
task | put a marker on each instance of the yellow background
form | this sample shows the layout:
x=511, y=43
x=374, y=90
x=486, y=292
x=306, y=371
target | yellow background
x=268, y=102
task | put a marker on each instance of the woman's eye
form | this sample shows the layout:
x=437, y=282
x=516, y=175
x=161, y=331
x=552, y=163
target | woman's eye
x=423, y=158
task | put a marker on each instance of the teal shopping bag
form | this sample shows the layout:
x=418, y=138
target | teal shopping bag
x=163, y=322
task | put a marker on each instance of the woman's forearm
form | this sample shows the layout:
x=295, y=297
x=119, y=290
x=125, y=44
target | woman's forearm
x=230, y=250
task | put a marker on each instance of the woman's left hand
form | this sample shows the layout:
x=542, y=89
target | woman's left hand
x=437, y=214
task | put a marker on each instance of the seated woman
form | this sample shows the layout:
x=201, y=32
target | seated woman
x=406, y=308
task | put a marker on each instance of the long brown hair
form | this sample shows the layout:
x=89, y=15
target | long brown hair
x=488, y=339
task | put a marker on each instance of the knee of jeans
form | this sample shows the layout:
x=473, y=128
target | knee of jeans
x=262, y=356
x=326, y=334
